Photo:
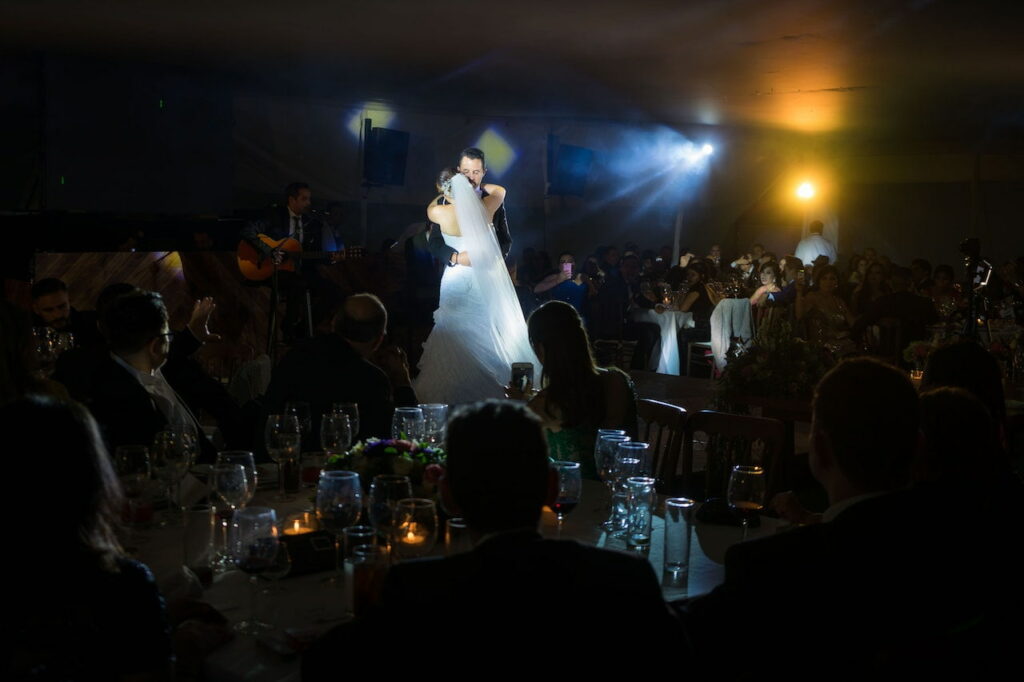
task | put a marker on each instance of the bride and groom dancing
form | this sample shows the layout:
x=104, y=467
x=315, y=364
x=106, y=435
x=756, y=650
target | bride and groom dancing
x=479, y=330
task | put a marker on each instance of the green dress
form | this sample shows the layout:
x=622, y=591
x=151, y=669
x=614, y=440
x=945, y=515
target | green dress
x=576, y=443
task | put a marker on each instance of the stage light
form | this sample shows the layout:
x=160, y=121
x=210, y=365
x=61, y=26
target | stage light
x=805, y=191
x=499, y=153
x=707, y=150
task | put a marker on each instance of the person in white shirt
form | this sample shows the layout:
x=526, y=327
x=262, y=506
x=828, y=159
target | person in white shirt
x=814, y=245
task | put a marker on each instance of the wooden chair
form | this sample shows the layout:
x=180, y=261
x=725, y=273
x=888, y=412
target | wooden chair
x=734, y=439
x=699, y=353
x=662, y=426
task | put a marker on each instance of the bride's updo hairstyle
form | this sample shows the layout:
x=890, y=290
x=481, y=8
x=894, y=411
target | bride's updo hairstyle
x=444, y=180
x=569, y=374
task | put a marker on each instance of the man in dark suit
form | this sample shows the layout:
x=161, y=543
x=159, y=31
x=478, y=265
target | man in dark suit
x=472, y=165
x=337, y=367
x=866, y=589
x=131, y=399
x=513, y=587
x=293, y=220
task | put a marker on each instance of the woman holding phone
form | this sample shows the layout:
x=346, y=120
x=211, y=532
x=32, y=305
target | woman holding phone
x=567, y=285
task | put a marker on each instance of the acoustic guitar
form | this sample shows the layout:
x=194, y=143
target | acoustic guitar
x=256, y=267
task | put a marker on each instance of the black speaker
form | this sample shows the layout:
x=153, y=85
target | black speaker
x=571, y=168
x=386, y=154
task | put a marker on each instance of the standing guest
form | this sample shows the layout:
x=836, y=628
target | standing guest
x=567, y=285
x=498, y=479
x=814, y=245
x=527, y=299
x=347, y=366
x=103, y=617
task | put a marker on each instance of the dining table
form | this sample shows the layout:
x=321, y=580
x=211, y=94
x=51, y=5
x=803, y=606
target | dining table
x=301, y=607
x=665, y=356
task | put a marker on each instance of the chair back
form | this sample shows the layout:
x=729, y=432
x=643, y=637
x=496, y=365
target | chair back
x=733, y=439
x=662, y=426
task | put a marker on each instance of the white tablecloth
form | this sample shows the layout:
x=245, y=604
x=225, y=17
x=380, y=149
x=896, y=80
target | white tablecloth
x=666, y=357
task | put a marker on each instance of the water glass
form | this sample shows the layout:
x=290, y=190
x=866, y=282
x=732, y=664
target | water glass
x=746, y=493
x=253, y=545
x=335, y=433
x=678, y=512
x=637, y=450
x=350, y=410
x=407, y=423
x=456, y=536
x=641, y=511
x=435, y=422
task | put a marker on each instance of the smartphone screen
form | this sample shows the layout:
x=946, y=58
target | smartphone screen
x=567, y=268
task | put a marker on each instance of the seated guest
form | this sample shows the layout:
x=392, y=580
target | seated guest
x=567, y=285
x=873, y=287
x=101, y=616
x=946, y=298
x=348, y=365
x=494, y=598
x=18, y=361
x=914, y=312
x=131, y=399
x=858, y=590
x=698, y=302
x=576, y=397
x=921, y=271
x=825, y=315
x=51, y=307
x=791, y=269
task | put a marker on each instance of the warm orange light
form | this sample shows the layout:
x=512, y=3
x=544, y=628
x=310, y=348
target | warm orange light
x=805, y=191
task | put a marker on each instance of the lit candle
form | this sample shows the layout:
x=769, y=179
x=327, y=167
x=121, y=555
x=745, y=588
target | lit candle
x=300, y=525
x=411, y=538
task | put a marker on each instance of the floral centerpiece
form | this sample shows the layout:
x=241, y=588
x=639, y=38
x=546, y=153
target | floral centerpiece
x=917, y=352
x=422, y=462
x=778, y=365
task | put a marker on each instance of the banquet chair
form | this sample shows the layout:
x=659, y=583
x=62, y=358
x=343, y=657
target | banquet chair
x=697, y=353
x=733, y=439
x=662, y=426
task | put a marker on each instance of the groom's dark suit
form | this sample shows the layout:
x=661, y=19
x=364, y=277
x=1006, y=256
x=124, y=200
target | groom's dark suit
x=443, y=253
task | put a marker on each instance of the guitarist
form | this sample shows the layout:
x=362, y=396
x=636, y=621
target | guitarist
x=291, y=220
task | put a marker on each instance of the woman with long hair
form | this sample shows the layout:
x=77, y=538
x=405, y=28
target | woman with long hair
x=576, y=396
x=873, y=287
x=826, y=315
x=102, y=617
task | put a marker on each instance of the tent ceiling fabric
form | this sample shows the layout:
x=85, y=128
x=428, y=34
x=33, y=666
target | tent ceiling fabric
x=844, y=66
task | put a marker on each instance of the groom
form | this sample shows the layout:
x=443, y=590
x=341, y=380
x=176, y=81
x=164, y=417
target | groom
x=471, y=164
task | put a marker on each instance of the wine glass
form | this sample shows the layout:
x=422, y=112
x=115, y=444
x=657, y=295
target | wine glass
x=335, y=433
x=746, y=493
x=173, y=453
x=407, y=423
x=415, y=528
x=134, y=469
x=282, y=435
x=435, y=418
x=385, y=492
x=245, y=459
x=253, y=545
x=300, y=410
x=637, y=450
x=352, y=411
x=570, y=485
x=339, y=502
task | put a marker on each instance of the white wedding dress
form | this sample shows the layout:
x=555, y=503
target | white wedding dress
x=479, y=329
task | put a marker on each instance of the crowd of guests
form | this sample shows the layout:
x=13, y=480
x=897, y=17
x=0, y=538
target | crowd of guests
x=857, y=587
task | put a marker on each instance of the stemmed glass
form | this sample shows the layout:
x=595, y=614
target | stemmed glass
x=570, y=485
x=385, y=492
x=282, y=435
x=300, y=410
x=253, y=544
x=407, y=423
x=335, y=433
x=173, y=452
x=414, y=528
x=435, y=417
x=746, y=493
x=637, y=450
x=133, y=468
x=339, y=502
x=352, y=411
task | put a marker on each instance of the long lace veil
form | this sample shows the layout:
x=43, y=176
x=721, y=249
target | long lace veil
x=502, y=315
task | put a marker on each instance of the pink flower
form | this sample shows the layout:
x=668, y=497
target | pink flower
x=432, y=473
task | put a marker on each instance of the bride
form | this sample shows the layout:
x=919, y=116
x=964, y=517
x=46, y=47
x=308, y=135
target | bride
x=479, y=329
